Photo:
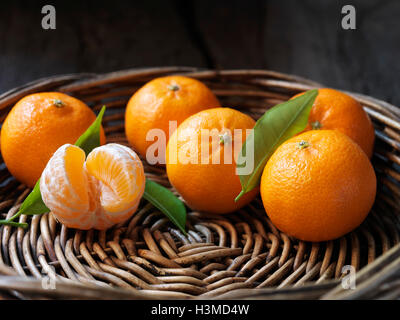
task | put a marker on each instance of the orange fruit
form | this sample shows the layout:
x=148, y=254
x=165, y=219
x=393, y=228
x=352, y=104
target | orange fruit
x=36, y=127
x=205, y=184
x=335, y=110
x=172, y=98
x=97, y=193
x=318, y=186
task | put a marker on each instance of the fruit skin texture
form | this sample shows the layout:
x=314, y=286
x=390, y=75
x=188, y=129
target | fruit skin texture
x=208, y=187
x=97, y=193
x=171, y=98
x=321, y=191
x=36, y=127
x=335, y=110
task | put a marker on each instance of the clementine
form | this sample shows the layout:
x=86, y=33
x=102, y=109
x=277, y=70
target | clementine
x=98, y=192
x=171, y=98
x=202, y=166
x=318, y=186
x=335, y=110
x=36, y=127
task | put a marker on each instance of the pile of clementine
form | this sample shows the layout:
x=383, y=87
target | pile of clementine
x=320, y=184
x=316, y=186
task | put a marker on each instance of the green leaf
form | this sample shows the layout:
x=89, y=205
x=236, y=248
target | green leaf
x=277, y=125
x=167, y=202
x=34, y=204
x=90, y=139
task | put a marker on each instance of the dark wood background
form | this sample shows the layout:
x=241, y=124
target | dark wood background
x=300, y=37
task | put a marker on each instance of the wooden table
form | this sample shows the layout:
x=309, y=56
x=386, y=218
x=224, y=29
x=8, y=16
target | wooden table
x=300, y=37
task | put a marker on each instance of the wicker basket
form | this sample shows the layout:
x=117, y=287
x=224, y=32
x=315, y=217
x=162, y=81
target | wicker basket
x=237, y=256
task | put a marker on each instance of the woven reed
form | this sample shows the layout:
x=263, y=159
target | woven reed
x=237, y=256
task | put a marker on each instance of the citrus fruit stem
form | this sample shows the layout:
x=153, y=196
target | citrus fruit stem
x=58, y=103
x=10, y=221
x=239, y=195
x=303, y=144
x=173, y=87
x=316, y=125
x=13, y=224
x=224, y=138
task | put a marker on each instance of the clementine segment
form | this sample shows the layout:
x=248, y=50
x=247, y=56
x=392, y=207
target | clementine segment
x=335, y=110
x=318, y=186
x=36, y=127
x=205, y=184
x=172, y=98
x=98, y=192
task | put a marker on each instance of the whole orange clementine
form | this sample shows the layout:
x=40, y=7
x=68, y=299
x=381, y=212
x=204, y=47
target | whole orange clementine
x=318, y=186
x=201, y=157
x=36, y=127
x=171, y=98
x=335, y=110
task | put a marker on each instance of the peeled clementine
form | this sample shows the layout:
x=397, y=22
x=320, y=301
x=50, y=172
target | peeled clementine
x=36, y=127
x=203, y=170
x=172, y=98
x=335, y=110
x=318, y=186
x=98, y=192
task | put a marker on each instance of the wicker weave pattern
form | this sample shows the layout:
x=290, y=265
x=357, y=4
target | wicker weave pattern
x=221, y=253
